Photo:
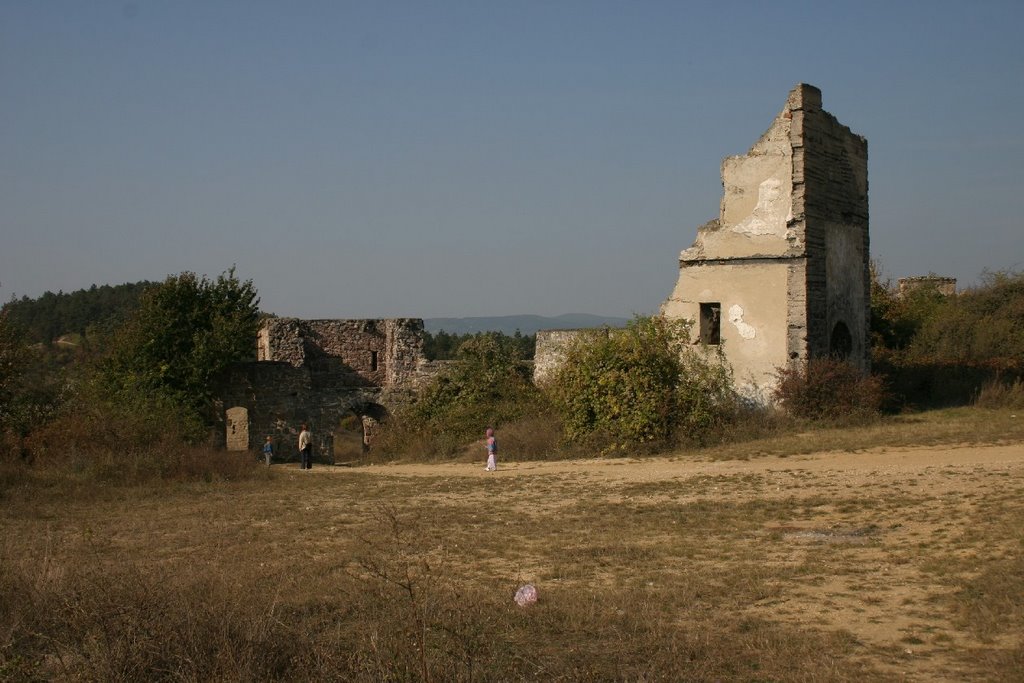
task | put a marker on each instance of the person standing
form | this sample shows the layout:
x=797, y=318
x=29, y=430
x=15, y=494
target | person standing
x=268, y=450
x=492, y=451
x=305, y=449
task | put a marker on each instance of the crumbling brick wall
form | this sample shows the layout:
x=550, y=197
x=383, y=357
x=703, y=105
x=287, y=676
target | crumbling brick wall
x=318, y=371
x=784, y=267
x=946, y=286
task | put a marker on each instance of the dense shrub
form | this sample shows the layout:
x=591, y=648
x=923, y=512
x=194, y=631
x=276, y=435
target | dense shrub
x=1002, y=394
x=937, y=350
x=489, y=386
x=186, y=331
x=981, y=325
x=643, y=384
x=829, y=389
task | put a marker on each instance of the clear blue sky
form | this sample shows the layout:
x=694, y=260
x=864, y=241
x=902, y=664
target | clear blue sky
x=376, y=159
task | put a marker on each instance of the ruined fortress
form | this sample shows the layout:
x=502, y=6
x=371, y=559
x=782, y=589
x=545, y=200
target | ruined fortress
x=782, y=276
x=779, y=277
x=318, y=372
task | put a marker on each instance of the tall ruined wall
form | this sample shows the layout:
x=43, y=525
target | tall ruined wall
x=830, y=172
x=782, y=274
x=379, y=353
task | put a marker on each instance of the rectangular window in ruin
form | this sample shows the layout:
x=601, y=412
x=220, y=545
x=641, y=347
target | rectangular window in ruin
x=710, y=323
x=373, y=361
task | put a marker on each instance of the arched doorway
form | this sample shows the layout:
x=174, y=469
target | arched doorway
x=353, y=435
x=840, y=343
x=349, y=438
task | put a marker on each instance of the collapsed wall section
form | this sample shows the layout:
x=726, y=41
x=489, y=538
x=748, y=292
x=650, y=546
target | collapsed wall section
x=552, y=347
x=318, y=372
x=381, y=353
x=781, y=276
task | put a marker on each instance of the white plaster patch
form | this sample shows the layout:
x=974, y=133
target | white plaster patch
x=769, y=217
x=736, y=318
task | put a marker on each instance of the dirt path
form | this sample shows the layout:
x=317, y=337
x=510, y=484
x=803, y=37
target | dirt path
x=857, y=466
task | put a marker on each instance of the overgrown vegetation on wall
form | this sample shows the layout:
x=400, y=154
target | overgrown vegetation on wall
x=489, y=386
x=935, y=350
x=641, y=387
x=135, y=405
x=646, y=383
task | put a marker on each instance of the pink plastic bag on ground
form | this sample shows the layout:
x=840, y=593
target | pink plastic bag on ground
x=526, y=595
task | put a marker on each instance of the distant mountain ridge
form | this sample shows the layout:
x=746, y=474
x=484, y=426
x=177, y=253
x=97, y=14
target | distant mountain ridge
x=526, y=324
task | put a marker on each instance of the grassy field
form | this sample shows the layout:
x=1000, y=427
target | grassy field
x=888, y=552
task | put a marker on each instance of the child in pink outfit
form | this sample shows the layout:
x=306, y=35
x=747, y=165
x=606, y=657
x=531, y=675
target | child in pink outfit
x=492, y=451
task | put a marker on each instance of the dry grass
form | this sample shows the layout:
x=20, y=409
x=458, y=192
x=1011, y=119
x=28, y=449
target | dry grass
x=1002, y=395
x=948, y=426
x=692, y=568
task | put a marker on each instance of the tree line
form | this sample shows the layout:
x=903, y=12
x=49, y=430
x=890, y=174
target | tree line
x=445, y=346
x=47, y=318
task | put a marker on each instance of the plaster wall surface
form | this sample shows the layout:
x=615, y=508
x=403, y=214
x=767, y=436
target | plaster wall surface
x=790, y=245
x=754, y=316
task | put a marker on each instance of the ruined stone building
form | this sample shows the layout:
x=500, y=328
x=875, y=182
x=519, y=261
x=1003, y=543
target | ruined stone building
x=781, y=276
x=946, y=286
x=318, y=372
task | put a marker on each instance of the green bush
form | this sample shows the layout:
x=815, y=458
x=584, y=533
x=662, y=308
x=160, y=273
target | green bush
x=645, y=383
x=980, y=325
x=489, y=386
x=830, y=390
x=186, y=331
x=937, y=350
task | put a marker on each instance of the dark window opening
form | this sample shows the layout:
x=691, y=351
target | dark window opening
x=840, y=344
x=373, y=361
x=711, y=323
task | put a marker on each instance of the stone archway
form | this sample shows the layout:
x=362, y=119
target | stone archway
x=349, y=438
x=237, y=429
x=371, y=415
x=840, y=343
x=355, y=429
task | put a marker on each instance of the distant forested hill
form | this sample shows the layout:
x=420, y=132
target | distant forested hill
x=526, y=324
x=53, y=315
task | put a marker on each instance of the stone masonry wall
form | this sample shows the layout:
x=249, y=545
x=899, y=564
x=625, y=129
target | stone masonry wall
x=549, y=354
x=379, y=353
x=830, y=178
x=316, y=372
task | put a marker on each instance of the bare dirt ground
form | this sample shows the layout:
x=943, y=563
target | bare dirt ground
x=878, y=564
x=883, y=538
